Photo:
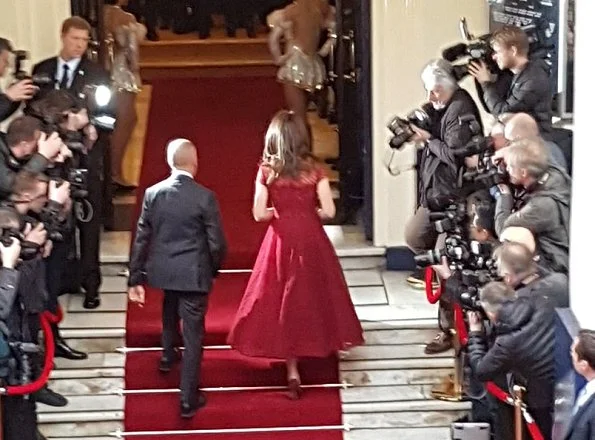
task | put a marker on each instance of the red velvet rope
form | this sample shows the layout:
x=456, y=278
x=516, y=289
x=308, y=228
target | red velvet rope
x=46, y=319
x=460, y=325
x=433, y=296
x=503, y=396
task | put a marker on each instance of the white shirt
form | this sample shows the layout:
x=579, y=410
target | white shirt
x=175, y=172
x=72, y=65
x=584, y=396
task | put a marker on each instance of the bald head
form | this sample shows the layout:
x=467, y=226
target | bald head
x=520, y=126
x=514, y=260
x=182, y=155
x=516, y=234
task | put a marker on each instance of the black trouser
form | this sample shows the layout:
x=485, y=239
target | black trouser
x=202, y=16
x=239, y=14
x=191, y=308
x=504, y=424
x=19, y=419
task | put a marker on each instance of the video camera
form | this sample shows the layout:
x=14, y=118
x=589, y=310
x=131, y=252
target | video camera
x=401, y=127
x=480, y=49
x=20, y=74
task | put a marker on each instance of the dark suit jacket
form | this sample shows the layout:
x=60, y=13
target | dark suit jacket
x=179, y=243
x=87, y=73
x=582, y=425
x=7, y=107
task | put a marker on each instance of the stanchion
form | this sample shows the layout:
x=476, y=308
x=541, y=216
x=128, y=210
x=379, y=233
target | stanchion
x=517, y=392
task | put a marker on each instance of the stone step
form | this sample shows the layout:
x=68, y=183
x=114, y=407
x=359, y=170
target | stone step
x=397, y=364
x=404, y=406
x=79, y=429
x=363, y=277
x=87, y=404
x=393, y=393
x=82, y=386
x=373, y=313
x=85, y=333
x=399, y=337
x=96, y=345
x=87, y=373
x=94, y=361
x=379, y=378
x=387, y=352
x=81, y=417
x=354, y=263
x=368, y=295
x=398, y=433
x=96, y=320
x=405, y=419
x=411, y=324
x=110, y=302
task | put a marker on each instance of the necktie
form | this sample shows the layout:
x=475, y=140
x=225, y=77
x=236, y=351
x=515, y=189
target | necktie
x=64, y=80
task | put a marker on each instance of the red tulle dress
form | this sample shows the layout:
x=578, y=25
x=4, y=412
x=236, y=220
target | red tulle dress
x=297, y=303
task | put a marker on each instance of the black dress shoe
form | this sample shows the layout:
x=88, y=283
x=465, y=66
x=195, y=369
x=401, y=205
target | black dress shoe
x=166, y=362
x=49, y=397
x=187, y=410
x=67, y=352
x=91, y=301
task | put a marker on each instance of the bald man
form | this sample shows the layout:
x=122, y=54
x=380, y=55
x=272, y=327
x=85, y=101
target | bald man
x=523, y=126
x=178, y=248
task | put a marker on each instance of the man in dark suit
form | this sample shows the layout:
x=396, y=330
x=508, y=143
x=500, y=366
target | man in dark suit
x=74, y=73
x=179, y=247
x=582, y=424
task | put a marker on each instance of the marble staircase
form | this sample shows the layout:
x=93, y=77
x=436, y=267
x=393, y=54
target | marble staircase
x=391, y=376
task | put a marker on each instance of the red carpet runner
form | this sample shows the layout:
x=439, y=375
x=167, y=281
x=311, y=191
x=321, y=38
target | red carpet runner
x=226, y=118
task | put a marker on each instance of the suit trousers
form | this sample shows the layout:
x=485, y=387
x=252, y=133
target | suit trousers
x=191, y=308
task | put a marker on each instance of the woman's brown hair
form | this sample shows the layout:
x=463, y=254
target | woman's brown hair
x=287, y=149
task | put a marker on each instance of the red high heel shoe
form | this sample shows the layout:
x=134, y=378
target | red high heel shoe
x=295, y=389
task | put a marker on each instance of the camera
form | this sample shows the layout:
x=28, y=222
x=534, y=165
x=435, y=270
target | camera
x=401, y=127
x=475, y=49
x=480, y=49
x=20, y=74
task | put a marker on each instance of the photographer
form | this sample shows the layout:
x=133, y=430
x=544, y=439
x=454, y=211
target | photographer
x=20, y=91
x=518, y=269
x=543, y=206
x=438, y=170
x=528, y=90
x=25, y=147
x=521, y=351
x=522, y=126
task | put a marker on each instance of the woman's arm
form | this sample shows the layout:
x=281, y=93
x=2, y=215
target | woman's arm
x=260, y=209
x=279, y=25
x=325, y=197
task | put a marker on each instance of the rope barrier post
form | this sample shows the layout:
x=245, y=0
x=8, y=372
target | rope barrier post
x=517, y=392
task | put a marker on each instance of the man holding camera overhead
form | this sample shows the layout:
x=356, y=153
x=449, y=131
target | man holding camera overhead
x=20, y=91
x=528, y=90
x=438, y=169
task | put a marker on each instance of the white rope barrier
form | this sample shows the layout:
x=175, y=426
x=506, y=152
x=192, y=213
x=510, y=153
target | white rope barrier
x=123, y=392
x=123, y=434
x=127, y=350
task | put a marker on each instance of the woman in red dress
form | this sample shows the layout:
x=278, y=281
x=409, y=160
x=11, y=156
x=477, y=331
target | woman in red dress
x=297, y=303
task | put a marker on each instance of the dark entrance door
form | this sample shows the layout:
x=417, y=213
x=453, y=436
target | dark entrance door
x=353, y=106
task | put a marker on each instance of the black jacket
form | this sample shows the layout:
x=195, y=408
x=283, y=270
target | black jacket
x=86, y=73
x=9, y=167
x=582, y=424
x=438, y=167
x=179, y=243
x=552, y=285
x=7, y=107
x=545, y=211
x=524, y=346
x=527, y=92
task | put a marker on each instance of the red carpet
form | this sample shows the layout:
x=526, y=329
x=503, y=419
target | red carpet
x=226, y=118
